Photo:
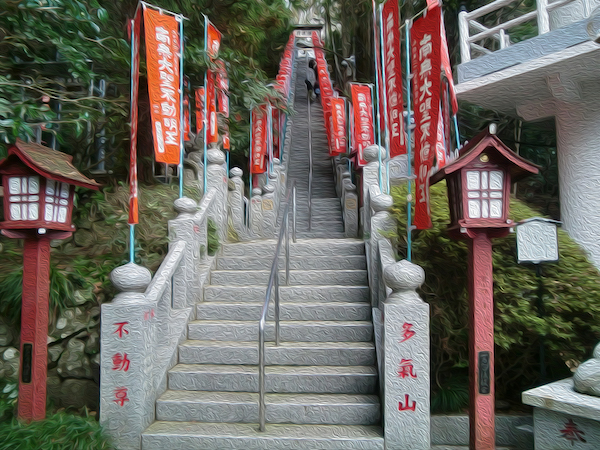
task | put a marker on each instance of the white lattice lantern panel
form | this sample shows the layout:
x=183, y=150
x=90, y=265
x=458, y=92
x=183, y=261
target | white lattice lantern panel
x=23, y=198
x=56, y=206
x=484, y=193
x=537, y=241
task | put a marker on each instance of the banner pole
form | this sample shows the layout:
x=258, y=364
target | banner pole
x=385, y=109
x=132, y=125
x=408, y=148
x=206, y=121
x=250, y=159
x=378, y=131
x=181, y=115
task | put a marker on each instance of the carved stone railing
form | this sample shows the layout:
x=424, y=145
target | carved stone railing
x=542, y=14
x=145, y=322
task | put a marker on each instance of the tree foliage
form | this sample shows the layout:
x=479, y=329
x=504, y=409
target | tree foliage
x=52, y=53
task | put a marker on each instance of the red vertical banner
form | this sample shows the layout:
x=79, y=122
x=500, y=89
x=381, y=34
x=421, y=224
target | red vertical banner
x=162, y=47
x=276, y=132
x=338, y=131
x=258, y=163
x=426, y=64
x=135, y=89
x=199, y=109
x=213, y=40
x=186, y=118
x=393, y=77
x=211, y=105
x=226, y=143
x=223, y=89
x=363, y=119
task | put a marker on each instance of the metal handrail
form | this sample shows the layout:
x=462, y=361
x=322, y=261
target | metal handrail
x=274, y=282
x=310, y=163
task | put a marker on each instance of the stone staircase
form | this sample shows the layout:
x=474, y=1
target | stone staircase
x=321, y=381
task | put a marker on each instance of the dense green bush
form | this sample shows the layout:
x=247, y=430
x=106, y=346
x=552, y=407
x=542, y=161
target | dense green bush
x=571, y=298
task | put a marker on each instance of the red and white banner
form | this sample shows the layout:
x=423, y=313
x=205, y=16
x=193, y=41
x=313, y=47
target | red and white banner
x=338, y=126
x=363, y=119
x=162, y=47
x=393, y=77
x=258, y=163
x=211, y=111
x=135, y=25
x=213, y=40
x=226, y=143
x=199, y=109
x=426, y=67
x=223, y=89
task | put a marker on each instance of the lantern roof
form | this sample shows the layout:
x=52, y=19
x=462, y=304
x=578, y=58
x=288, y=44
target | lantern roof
x=48, y=163
x=498, y=153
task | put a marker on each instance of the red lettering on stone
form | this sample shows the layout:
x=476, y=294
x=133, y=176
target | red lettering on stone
x=406, y=406
x=572, y=433
x=120, y=362
x=121, y=328
x=121, y=396
x=407, y=332
x=406, y=369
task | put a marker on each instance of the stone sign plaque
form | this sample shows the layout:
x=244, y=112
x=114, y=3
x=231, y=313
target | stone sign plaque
x=537, y=241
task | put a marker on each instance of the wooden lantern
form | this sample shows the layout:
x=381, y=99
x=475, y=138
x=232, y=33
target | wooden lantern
x=479, y=183
x=39, y=185
x=478, y=195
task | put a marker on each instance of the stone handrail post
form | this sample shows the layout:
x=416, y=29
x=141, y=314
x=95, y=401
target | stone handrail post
x=382, y=222
x=370, y=177
x=350, y=209
x=128, y=325
x=235, y=202
x=269, y=211
x=256, y=214
x=406, y=359
x=216, y=175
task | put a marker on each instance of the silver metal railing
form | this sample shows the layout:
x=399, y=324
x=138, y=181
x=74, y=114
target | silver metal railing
x=274, y=283
x=310, y=162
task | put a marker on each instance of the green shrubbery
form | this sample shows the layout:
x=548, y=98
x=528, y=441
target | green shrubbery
x=571, y=298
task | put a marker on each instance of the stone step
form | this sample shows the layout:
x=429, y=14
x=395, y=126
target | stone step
x=291, y=331
x=242, y=407
x=304, y=247
x=287, y=311
x=297, y=277
x=278, y=379
x=287, y=293
x=286, y=353
x=353, y=262
x=195, y=435
x=318, y=234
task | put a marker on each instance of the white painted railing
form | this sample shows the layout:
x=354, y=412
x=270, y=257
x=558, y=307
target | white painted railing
x=486, y=39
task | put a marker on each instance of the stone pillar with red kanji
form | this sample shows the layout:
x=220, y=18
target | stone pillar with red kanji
x=406, y=389
x=128, y=326
x=216, y=178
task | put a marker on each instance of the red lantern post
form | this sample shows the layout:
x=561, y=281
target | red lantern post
x=38, y=187
x=478, y=193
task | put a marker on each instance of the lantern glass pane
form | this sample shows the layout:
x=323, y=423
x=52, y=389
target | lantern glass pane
x=15, y=212
x=24, y=213
x=484, y=180
x=49, y=187
x=48, y=211
x=34, y=185
x=33, y=211
x=496, y=179
x=63, y=202
x=64, y=190
x=14, y=185
x=62, y=214
x=472, y=179
x=15, y=198
x=496, y=194
x=34, y=198
x=485, y=209
x=24, y=185
x=496, y=209
x=474, y=209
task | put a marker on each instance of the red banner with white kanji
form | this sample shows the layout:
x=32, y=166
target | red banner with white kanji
x=393, y=77
x=426, y=67
x=162, y=47
x=363, y=119
x=223, y=89
x=212, y=132
x=135, y=25
x=258, y=163
x=338, y=126
x=199, y=109
x=213, y=40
